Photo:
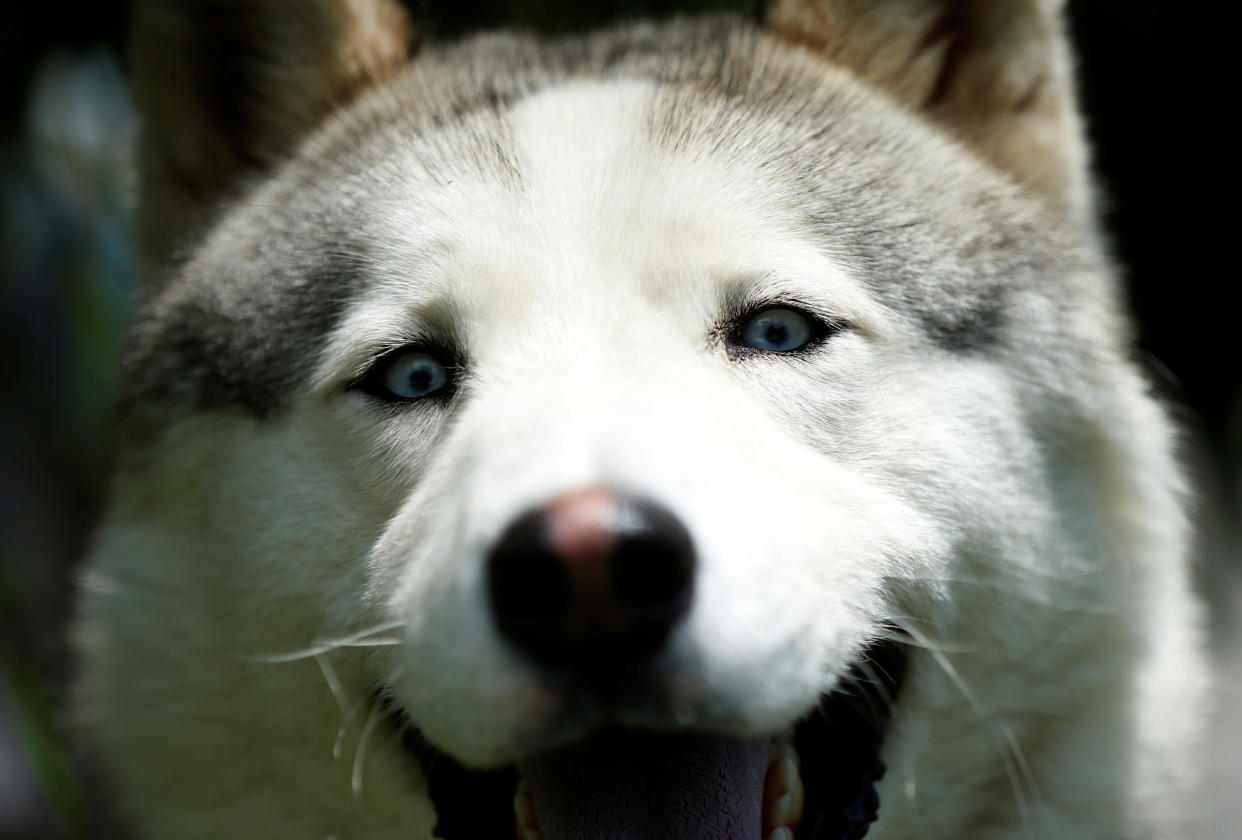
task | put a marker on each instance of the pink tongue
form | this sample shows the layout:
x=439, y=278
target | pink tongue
x=631, y=786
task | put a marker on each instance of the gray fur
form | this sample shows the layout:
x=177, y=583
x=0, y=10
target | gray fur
x=933, y=239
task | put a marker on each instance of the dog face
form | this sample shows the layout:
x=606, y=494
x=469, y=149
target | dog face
x=640, y=384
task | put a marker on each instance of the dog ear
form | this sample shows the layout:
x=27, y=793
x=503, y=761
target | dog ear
x=994, y=73
x=228, y=87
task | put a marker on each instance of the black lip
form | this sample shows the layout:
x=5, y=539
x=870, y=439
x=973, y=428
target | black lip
x=470, y=804
x=841, y=798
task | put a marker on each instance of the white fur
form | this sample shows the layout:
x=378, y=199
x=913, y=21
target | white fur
x=879, y=478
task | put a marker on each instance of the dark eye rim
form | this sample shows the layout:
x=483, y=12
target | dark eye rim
x=371, y=384
x=822, y=329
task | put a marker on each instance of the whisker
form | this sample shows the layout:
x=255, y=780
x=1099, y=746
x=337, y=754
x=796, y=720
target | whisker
x=356, y=640
x=903, y=636
x=333, y=681
x=881, y=687
x=360, y=752
x=343, y=729
x=348, y=710
x=1012, y=756
x=1012, y=587
x=326, y=647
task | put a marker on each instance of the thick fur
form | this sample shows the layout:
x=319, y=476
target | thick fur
x=974, y=459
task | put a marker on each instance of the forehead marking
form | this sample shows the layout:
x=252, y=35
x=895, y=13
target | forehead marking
x=570, y=133
x=577, y=141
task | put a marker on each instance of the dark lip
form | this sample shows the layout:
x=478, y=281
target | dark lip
x=840, y=781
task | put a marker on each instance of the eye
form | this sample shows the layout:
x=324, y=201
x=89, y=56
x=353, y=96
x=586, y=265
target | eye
x=779, y=330
x=405, y=375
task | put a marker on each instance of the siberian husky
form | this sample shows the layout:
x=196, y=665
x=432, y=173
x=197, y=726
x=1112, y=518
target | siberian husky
x=718, y=428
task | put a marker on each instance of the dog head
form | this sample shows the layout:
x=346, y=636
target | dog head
x=603, y=401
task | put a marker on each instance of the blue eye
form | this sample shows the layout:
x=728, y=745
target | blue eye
x=406, y=375
x=409, y=376
x=778, y=330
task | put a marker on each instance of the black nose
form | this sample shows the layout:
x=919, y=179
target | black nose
x=592, y=583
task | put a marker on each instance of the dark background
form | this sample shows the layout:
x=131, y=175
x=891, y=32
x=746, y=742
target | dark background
x=66, y=275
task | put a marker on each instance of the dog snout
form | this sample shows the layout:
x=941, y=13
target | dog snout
x=592, y=583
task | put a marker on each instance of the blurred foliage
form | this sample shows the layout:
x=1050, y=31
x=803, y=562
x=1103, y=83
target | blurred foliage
x=67, y=272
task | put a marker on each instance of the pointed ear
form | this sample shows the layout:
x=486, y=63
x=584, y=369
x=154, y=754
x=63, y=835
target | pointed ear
x=994, y=73
x=225, y=87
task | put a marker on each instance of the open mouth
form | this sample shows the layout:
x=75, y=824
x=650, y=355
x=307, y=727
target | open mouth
x=817, y=783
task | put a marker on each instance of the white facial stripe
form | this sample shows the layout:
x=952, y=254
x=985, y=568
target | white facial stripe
x=601, y=211
x=596, y=182
x=578, y=143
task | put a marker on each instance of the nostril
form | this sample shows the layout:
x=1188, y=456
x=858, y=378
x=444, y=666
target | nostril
x=529, y=583
x=645, y=577
x=653, y=564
